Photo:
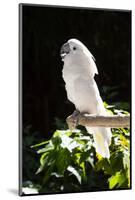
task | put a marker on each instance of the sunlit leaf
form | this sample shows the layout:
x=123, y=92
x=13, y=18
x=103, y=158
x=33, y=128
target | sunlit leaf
x=40, y=144
x=43, y=158
x=82, y=165
x=75, y=172
x=40, y=169
x=117, y=180
x=45, y=149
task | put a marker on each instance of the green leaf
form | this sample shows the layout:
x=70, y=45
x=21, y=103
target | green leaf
x=75, y=172
x=45, y=149
x=56, y=141
x=48, y=173
x=62, y=160
x=40, y=169
x=43, y=158
x=43, y=161
x=104, y=164
x=82, y=165
x=126, y=160
x=117, y=180
x=40, y=144
x=116, y=161
x=121, y=112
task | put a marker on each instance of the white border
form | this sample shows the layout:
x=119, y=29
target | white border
x=9, y=97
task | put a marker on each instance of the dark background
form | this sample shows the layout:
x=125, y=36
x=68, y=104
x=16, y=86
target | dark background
x=106, y=33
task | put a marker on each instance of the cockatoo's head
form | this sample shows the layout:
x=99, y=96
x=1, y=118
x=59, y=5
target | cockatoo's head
x=72, y=47
x=74, y=51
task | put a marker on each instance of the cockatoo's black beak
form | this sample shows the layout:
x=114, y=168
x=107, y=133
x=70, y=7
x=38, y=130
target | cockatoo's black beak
x=65, y=49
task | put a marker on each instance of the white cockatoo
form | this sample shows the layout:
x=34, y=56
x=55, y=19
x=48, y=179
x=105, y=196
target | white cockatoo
x=78, y=73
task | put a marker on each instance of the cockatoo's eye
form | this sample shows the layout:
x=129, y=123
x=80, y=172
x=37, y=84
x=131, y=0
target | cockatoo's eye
x=74, y=48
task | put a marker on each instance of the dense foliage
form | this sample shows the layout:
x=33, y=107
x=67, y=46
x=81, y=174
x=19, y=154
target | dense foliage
x=68, y=162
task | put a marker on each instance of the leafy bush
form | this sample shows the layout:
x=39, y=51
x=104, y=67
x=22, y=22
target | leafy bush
x=69, y=163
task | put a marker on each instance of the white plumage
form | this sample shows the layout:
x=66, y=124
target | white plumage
x=78, y=73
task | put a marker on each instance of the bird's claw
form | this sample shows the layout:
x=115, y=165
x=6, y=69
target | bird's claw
x=73, y=120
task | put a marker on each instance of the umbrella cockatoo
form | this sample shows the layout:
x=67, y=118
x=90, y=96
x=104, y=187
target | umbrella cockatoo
x=78, y=73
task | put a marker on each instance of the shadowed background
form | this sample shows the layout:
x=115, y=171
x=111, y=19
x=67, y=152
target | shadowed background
x=106, y=33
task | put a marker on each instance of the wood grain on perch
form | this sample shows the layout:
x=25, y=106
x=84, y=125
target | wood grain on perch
x=114, y=121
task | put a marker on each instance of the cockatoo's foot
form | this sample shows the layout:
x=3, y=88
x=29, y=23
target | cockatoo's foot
x=76, y=113
x=73, y=119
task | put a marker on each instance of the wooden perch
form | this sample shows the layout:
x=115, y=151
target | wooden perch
x=114, y=121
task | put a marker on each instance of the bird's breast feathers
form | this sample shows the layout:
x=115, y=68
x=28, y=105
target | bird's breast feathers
x=82, y=91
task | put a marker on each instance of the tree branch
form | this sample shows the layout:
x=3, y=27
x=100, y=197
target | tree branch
x=114, y=121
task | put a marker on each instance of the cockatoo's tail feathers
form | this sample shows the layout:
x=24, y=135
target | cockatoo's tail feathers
x=102, y=140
